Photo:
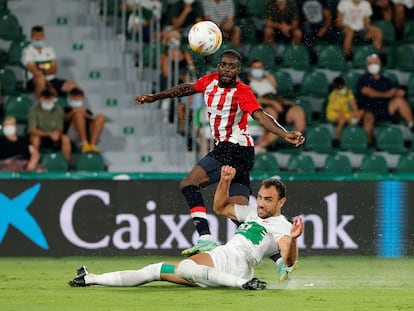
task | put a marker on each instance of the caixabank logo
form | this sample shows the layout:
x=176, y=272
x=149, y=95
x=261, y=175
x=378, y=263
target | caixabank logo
x=14, y=212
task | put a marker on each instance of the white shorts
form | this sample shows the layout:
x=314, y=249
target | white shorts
x=231, y=260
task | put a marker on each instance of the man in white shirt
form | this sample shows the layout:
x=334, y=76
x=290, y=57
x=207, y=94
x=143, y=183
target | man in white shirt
x=354, y=19
x=40, y=61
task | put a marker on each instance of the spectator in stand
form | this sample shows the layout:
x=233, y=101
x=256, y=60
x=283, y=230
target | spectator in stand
x=353, y=19
x=85, y=123
x=342, y=108
x=382, y=9
x=281, y=22
x=16, y=152
x=315, y=23
x=402, y=8
x=185, y=13
x=46, y=125
x=135, y=21
x=379, y=98
x=222, y=13
x=39, y=59
x=264, y=86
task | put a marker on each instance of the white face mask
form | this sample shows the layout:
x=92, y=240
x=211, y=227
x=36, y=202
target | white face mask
x=342, y=91
x=47, y=106
x=257, y=73
x=374, y=69
x=189, y=1
x=9, y=130
x=75, y=103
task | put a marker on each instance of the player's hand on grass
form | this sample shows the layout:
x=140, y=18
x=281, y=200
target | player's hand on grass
x=296, y=138
x=142, y=99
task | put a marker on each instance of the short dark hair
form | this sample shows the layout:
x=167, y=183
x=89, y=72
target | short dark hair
x=338, y=82
x=256, y=60
x=48, y=93
x=277, y=183
x=76, y=92
x=37, y=28
x=231, y=52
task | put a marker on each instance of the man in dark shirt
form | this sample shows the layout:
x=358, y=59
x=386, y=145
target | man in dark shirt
x=16, y=152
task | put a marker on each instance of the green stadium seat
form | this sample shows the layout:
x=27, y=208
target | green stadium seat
x=91, y=162
x=405, y=164
x=390, y=139
x=265, y=163
x=62, y=101
x=410, y=85
x=401, y=58
x=337, y=164
x=296, y=57
x=263, y=52
x=8, y=82
x=361, y=52
x=301, y=164
x=351, y=77
x=388, y=31
x=10, y=29
x=54, y=162
x=392, y=76
x=408, y=36
x=374, y=163
x=331, y=57
x=315, y=84
x=15, y=52
x=318, y=139
x=18, y=107
x=285, y=85
x=307, y=107
x=354, y=139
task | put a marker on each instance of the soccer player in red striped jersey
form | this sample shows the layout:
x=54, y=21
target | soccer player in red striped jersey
x=229, y=103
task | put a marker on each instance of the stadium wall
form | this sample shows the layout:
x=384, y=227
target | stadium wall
x=148, y=216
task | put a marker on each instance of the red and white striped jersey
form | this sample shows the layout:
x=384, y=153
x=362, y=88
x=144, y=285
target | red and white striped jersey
x=228, y=109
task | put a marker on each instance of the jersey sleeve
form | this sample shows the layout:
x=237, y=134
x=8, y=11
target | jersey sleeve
x=247, y=100
x=202, y=83
x=242, y=211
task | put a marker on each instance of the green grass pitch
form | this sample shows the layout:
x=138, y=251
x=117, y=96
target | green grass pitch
x=320, y=283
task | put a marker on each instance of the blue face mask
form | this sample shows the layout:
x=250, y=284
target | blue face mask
x=37, y=44
x=257, y=73
x=75, y=103
x=47, y=106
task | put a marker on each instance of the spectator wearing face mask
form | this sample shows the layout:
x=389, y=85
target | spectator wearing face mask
x=39, y=59
x=87, y=125
x=46, y=125
x=342, y=108
x=379, y=98
x=16, y=152
x=286, y=112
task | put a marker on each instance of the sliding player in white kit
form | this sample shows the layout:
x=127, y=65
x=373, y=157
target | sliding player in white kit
x=264, y=233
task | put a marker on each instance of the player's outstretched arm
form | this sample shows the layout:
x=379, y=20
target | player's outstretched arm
x=184, y=89
x=222, y=204
x=289, y=250
x=268, y=122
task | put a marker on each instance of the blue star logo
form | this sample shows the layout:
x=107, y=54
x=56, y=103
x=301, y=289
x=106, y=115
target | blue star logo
x=14, y=212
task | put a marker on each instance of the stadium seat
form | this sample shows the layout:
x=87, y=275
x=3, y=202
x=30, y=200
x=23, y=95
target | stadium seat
x=285, y=85
x=410, y=85
x=54, y=162
x=351, y=77
x=301, y=164
x=405, y=164
x=307, y=107
x=388, y=31
x=318, y=139
x=263, y=52
x=374, y=163
x=337, y=164
x=10, y=29
x=296, y=57
x=91, y=162
x=401, y=58
x=331, y=57
x=390, y=139
x=361, y=52
x=62, y=101
x=392, y=76
x=8, y=82
x=314, y=84
x=354, y=139
x=18, y=107
x=408, y=36
x=15, y=52
x=265, y=164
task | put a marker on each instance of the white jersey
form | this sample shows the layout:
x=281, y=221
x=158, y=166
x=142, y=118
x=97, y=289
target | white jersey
x=354, y=14
x=258, y=238
x=31, y=55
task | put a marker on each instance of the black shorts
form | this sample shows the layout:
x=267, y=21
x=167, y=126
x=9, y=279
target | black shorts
x=239, y=157
x=47, y=143
x=56, y=83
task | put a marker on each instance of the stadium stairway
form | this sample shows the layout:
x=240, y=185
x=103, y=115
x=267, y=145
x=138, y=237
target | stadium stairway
x=134, y=139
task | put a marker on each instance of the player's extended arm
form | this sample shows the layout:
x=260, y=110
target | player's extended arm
x=180, y=90
x=288, y=247
x=222, y=204
x=271, y=124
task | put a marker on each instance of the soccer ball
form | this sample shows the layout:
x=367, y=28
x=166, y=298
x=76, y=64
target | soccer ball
x=205, y=38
